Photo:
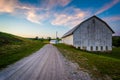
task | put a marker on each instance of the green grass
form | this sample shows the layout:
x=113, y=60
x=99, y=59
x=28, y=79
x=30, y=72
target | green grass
x=9, y=39
x=14, y=48
x=114, y=54
x=98, y=65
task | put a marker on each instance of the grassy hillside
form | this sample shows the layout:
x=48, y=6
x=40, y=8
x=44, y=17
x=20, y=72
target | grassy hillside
x=99, y=65
x=8, y=39
x=13, y=48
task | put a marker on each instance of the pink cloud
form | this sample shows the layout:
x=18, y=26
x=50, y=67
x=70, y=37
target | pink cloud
x=107, y=6
x=70, y=20
x=12, y=6
x=67, y=20
x=7, y=5
x=64, y=2
x=48, y=4
x=16, y=8
x=31, y=16
x=112, y=18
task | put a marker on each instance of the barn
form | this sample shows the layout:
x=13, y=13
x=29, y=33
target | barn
x=93, y=34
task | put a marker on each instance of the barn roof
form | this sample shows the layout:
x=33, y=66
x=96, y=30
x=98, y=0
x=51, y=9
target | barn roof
x=73, y=29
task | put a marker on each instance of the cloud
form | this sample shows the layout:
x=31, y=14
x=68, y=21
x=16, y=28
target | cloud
x=70, y=20
x=31, y=16
x=107, y=6
x=48, y=4
x=35, y=17
x=63, y=2
x=31, y=13
x=69, y=16
x=16, y=8
x=112, y=18
x=7, y=5
x=12, y=6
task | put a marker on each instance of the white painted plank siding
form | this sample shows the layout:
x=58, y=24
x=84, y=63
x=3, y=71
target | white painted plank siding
x=68, y=40
x=94, y=35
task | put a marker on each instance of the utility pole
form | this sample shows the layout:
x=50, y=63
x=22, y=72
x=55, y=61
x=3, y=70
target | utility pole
x=56, y=35
x=56, y=38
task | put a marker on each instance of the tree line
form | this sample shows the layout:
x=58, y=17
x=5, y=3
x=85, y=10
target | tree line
x=116, y=41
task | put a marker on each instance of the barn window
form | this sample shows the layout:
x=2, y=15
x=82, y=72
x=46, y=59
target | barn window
x=91, y=48
x=84, y=48
x=79, y=48
x=106, y=47
x=101, y=48
x=96, y=48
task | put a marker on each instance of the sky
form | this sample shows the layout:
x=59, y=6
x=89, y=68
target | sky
x=43, y=18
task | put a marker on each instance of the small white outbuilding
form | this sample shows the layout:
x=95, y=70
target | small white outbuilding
x=92, y=34
x=53, y=41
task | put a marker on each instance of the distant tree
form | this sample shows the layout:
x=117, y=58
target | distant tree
x=49, y=38
x=116, y=41
x=58, y=39
x=36, y=38
x=42, y=39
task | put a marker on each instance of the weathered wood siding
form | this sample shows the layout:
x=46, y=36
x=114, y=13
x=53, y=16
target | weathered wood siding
x=93, y=35
x=68, y=40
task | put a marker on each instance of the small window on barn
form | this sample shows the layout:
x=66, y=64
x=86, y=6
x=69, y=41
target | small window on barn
x=91, y=48
x=84, y=48
x=101, y=48
x=96, y=48
x=78, y=47
x=106, y=47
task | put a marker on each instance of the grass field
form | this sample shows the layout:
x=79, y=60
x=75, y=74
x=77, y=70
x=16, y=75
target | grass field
x=13, y=48
x=99, y=65
x=114, y=54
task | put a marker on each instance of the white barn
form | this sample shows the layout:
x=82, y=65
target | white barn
x=92, y=34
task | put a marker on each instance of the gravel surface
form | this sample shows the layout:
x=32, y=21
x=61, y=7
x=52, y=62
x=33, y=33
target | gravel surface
x=45, y=64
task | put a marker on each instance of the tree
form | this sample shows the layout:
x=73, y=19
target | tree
x=36, y=38
x=42, y=39
x=58, y=39
x=116, y=41
x=49, y=38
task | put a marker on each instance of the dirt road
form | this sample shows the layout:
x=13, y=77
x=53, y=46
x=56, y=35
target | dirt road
x=45, y=64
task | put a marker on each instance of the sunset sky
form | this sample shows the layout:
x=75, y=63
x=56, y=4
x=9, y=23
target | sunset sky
x=30, y=18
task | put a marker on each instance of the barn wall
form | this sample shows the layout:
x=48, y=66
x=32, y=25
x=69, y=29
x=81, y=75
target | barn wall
x=68, y=40
x=93, y=33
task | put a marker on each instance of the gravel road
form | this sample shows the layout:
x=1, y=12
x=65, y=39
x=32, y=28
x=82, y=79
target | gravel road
x=45, y=64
